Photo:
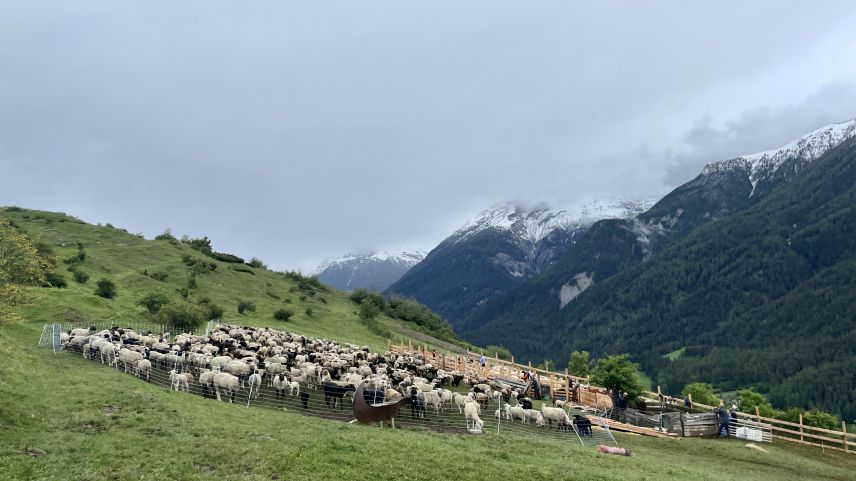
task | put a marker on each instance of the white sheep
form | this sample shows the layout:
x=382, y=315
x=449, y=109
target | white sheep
x=129, y=359
x=180, y=381
x=255, y=384
x=206, y=380
x=471, y=412
x=144, y=369
x=227, y=383
x=556, y=414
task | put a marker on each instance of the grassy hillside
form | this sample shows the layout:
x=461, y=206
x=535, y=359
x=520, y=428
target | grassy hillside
x=135, y=265
x=64, y=418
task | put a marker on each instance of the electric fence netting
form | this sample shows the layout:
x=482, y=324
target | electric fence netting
x=310, y=398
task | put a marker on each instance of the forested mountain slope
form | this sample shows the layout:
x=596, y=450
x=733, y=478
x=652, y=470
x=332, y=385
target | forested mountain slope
x=764, y=297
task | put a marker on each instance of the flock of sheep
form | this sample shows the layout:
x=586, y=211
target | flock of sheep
x=231, y=359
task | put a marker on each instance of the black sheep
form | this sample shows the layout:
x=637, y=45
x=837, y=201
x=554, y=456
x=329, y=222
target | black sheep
x=583, y=425
x=334, y=393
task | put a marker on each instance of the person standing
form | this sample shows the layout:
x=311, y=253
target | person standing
x=688, y=403
x=483, y=361
x=724, y=419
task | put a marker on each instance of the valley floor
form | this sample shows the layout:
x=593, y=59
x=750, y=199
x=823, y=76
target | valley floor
x=61, y=418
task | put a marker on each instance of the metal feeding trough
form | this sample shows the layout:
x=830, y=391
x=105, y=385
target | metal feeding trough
x=376, y=413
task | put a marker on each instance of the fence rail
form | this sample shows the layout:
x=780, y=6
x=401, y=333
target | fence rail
x=560, y=382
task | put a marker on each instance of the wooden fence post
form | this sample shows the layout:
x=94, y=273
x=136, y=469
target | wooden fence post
x=801, y=428
x=512, y=359
x=844, y=434
x=757, y=414
x=388, y=344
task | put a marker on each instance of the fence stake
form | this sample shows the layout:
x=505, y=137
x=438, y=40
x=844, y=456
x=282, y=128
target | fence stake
x=801, y=427
x=844, y=434
x=758, y=413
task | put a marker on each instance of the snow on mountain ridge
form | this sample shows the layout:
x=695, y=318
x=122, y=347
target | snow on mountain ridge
x=409, y=257
x=537, y=222
x=809, y=147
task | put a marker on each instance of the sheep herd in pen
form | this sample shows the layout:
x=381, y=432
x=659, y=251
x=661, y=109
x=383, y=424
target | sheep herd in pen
x=231, y=359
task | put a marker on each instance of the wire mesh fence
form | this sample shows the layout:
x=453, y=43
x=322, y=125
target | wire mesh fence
x=311, y=399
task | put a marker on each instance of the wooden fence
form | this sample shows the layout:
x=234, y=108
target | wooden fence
x=560, y=383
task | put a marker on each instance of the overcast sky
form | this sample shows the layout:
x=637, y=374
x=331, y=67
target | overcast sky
x=297, y=131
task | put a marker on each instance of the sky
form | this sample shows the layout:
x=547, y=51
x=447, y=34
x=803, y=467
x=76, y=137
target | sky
x=299, y=131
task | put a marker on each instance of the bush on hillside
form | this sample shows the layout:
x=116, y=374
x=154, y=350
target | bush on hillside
x=243, y=269
x=229, y=258
x=246, y=306
x=308, y=312
x=210, y=310
x=80, y=277
x=257, y=263
x=53, y=279
x=181, y=316
x=167, y=236
x=579, y=364
x=701, y=392
x=158, y=276
x=500, y=351
x=282, y=314
x=105, y=288
x=153, y=302
x=202, y=245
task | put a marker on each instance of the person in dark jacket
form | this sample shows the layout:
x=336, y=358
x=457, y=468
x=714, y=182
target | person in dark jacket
x=724, y=419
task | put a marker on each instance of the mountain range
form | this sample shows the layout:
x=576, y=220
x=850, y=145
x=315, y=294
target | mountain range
x=743, y=276
x=500, y=249
x=374, y=270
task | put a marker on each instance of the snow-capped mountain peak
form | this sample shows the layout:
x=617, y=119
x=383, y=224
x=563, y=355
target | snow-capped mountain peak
x=808, y=147
x=408, y=257
x=537, y=222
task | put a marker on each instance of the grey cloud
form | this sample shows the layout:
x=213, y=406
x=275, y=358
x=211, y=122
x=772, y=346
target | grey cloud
x=757, y=130
x=298, y=131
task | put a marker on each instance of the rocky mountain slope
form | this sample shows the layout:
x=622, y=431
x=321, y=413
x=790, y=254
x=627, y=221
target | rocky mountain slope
x=498, y=250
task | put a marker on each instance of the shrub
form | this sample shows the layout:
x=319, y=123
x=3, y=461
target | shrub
x=702, y=393
x=198, y=265
x=153, y=302
x=368, y=311
x=210, y=310
x=202, y=245
x=105, y=288
x=257, y=263
x=502, y=352
x=274, y=295
x=287, y=300
x=302, y=298
x=158, y=276
x=229, y=258
x=183, y=292
x=181, y=316
x=308, y=311
x=246, y=306
x=191, y=281
x=80, y=277
x=243, y=269
x=53, y=279
x=167, y=236
x=282, y=314
x=579, y=364
x=749, y=399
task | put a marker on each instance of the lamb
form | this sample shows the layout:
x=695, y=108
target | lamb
x=144, y=369
x=391, y=394
x=471, y=412
x=536, y=417
x=227, y=383
x=582, y=425
x=255, y=384
x=179, y=381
